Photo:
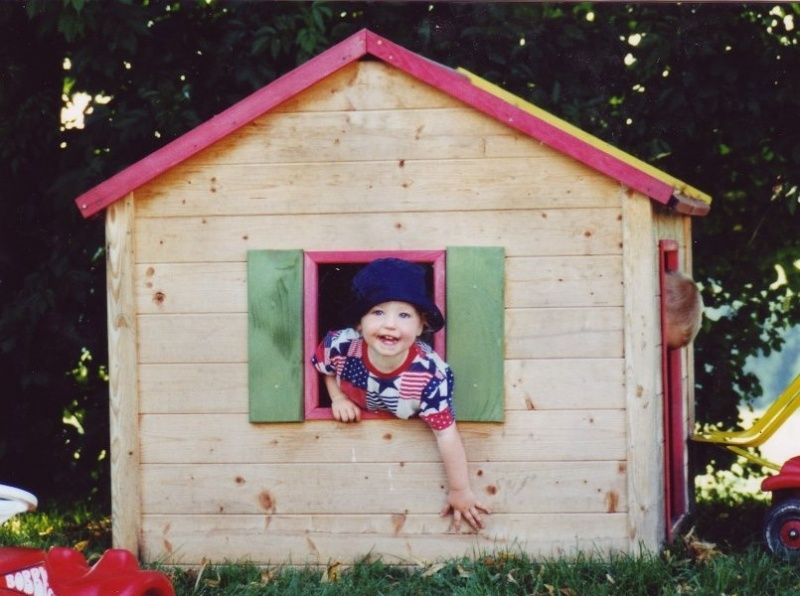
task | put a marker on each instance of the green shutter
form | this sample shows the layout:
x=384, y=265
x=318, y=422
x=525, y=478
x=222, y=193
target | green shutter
x=475, y=331
x=275, y=335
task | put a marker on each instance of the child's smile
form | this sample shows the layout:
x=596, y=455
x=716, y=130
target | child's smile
x=389, y=330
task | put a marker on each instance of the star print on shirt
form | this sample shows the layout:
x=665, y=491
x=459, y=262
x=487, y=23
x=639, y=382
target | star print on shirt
x=355, y=371
x=386, y=386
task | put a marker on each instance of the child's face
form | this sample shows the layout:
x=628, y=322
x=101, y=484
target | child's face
x=390, y=329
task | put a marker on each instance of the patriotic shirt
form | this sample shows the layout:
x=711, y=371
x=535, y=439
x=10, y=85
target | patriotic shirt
x=422, y=385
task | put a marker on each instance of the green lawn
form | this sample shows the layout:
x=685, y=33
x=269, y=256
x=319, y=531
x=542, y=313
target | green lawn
x=721, y=555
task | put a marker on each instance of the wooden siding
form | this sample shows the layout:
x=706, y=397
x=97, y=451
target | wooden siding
x=544, y=487
x=560, y=232
x=397, y=538
x=400, y=185
x=371, y=169
x=547, y=435
x=353, y=88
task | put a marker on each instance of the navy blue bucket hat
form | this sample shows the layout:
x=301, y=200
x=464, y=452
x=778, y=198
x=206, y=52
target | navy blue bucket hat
x=390, y=279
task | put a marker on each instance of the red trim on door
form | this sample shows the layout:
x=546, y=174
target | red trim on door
x=675, y=506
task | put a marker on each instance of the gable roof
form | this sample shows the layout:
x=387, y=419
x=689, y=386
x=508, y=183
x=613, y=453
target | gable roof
x=461, y=84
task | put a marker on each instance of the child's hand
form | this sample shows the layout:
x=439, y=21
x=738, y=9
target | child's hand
x=464, y=504
x=345, y=411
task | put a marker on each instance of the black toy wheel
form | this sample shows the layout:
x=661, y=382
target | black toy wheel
x=782, y=529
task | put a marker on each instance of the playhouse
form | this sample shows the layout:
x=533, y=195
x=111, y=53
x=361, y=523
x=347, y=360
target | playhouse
x=543, y=244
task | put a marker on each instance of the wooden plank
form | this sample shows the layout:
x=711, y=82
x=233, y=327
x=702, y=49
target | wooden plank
x=688, y=264
x=314, y=137
x=536, y=435
x=530, y=333
x=531, y=282
x=194, y=388
x=475, y=331
x=642, y=375
x=389, y=487
x=275, y=335
x=397, y=539
x=558, y=232
x=221, y=125
x=565, y=384
x=564, y=333
x=367, y=85
x=689, y=387
x=122, y=371
x=538, y=182
x=212, y=338
x=550, y=384
x=564, y=281
x=668, y=225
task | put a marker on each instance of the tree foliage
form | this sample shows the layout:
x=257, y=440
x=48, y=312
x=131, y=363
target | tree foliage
x=705, y=92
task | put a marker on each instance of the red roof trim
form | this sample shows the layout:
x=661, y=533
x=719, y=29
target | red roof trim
x=223, y=124
x=351, y=49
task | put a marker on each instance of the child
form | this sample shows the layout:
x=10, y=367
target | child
x=684, y=309
x=381, y=365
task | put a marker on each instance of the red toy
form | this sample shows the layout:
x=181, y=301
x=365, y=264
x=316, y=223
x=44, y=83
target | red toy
x=64, y=571
x=782, y=522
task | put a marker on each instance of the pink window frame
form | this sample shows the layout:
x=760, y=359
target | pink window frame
x=675, y=502
x=312, y=260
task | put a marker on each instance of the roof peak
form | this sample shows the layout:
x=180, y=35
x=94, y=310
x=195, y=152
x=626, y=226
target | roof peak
x=465, y=86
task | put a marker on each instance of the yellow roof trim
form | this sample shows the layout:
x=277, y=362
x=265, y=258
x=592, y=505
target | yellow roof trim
x=679, y=186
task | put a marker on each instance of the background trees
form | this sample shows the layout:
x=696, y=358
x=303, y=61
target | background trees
x=704, y=92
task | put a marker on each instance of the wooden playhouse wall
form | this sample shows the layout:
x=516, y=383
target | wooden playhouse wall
x=369, y=158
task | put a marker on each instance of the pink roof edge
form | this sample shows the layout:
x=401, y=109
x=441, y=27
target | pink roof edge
x=437, y=75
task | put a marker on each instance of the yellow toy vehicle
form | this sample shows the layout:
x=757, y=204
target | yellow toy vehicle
x=782, y=522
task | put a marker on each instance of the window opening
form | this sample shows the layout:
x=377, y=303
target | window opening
x=327, y=294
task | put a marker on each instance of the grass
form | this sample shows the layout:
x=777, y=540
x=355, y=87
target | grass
x=752, y=572
x=722, y=554
x=78, y=527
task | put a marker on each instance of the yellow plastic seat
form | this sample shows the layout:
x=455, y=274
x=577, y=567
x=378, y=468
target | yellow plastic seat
x=761, y=430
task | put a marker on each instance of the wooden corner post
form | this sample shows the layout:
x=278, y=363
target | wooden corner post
x=123, y=375
x=642, y=365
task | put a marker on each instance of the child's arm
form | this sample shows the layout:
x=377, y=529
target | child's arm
x=460, y=498
x=343, y=409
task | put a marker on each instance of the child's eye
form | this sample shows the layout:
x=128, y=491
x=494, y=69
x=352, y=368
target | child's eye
x=377, y=312
x=405, y=315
